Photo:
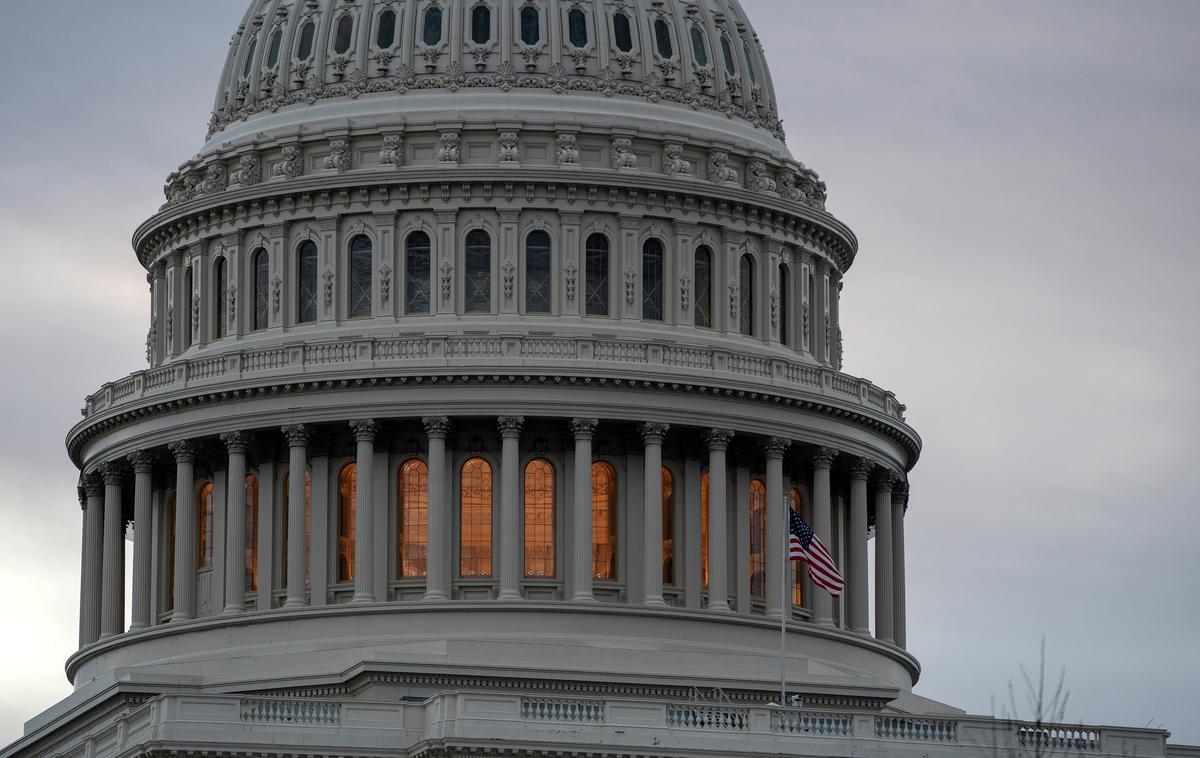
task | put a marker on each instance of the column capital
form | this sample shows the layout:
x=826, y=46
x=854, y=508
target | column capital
x=142, y=461
x=584, y=428
x=900, y=493
x=653, y=434
x=364, y=429
x=235, y=442
x=183, y=450
x=885, y=479
x=861, y=468
x=112, y=472
x=823, y=457
x=510, y=426
x=775, y=447
x=436, y=426
x=297, y=434
x=93, y=484
x=718, y=439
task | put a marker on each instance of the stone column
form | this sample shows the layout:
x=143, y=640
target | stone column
x=364, y=434
x=297, y=546
x=822, y=461
x=235, y=523
x=652, y=540
x=508, y=542
x=437, y=579
x=718, y=520
x=856, y=544
x=143, y=537
x=899, y=504
x=185, y=531
x=112, y=605
x=884, y=609
x=90, y=584
x=581, y=545
x=777, y=526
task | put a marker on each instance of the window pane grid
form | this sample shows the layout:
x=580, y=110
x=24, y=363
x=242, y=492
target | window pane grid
x=360, y=277
x=251, y=534
x=479, y=272
x=539, y=519
x=537, y=272
x=221, y=310
x=703, y=278
x=204, y=508
x=604, y=521
x=347, y=499
x=704, y=530
x=417, y=270
x=797, y=504
x=475, y=519
x=412, y=537
x=758, y=538
x=262, y=273
x=652, y=280
x=307, y=282
x=596, y=275
x=746, y=295
x=668, y=527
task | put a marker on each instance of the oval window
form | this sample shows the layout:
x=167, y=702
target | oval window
x=386, y=36
x=622, y=32
x=305, y=48
x=577, y=28
x=481, y=24
x=273, y=53
x=249, y=58
x=699, y=50
x=749, y=63
x=345, y=32
x=727, y=52
x=431, y=33
x=662, y=36
x=531, y=25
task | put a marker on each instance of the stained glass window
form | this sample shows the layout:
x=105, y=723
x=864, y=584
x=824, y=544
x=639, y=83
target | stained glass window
x=204, y=535
x=475, y=519
x=346, y=505
x=412, y=516
x=251, y=533
x=758, y=538
x=604, y=521
x=668, y=527
x=539, y=518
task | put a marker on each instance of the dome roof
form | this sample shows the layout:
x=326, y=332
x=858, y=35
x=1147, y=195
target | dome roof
x=693, y=56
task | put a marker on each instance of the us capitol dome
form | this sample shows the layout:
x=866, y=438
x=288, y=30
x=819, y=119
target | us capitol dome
x=487, y=341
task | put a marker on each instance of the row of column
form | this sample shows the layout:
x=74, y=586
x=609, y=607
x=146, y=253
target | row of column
x=102, y=583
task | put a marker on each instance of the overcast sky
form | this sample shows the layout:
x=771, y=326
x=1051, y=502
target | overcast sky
x=1022, y=178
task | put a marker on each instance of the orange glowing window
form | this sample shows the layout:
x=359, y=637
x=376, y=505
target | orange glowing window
x=704, y=529
x=307, y=522
x=475, y=519
x=412, y=509
x=758, y=538
x=251, y=533
x=539, y=518
x=347, y=493
x=797, y=503
x=668, y=527
x=604, y=521
x=204, y=509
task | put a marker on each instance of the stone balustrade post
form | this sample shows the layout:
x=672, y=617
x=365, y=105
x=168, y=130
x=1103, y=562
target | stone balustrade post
x=718, y=520
x=91, y=579
x=777, y=527
x=235, y=521
x=297, y=436
x=364, y=502
x=186, y=543
x=884, y=583
x=857, y=580
x=437, y=576
x=652, y=540
x=581, y=544
x=143, y=537
x=822, y=462
x=899, y=621
x=508, y=541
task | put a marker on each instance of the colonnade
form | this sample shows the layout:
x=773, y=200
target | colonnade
x=103, y=581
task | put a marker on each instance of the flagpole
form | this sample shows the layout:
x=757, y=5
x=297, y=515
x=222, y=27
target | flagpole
x=783, y=605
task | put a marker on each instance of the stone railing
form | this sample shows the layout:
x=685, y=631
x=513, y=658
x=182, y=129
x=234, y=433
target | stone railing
x=916, y=730
x=654, y=361
x=290, y=712
x=554, y=709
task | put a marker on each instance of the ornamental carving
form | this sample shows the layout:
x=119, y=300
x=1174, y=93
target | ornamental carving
x=719, y=171
x=571, y=274
x=718, y=439
x=806, y=320
x=775, y=447
x=447, y=271
x=674, y=163
x=392, y=152
x=291, y=165
x=385, y=283
x=510, y=426
x=774, y=298
x=183, y=450
x=142, y=461
x=509, y=271
x=150, y=336
x=733, y=298
x=623, y=156
x=653, y=434
x=787, y=187
x=685, y=291
x=232, y=295
x=436, y=426
x=823, y=457
x=215, y=179
x=584, y=428
x=276, y=294
x=568, y=153
x=235, y=442
x=630, y=285
x=339, y=158
x=195, y=316
x=248, y=172
x=861, y=468
x=448, y=147
x=364, y=429
x=757, y=179
x=170, y=322
x=327, y=277
x=297, y=435
x=510, y=151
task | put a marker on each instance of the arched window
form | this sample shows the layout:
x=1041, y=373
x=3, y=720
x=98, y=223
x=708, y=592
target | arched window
x=344, y=34
x=360, y=276
x=304, y=49
x=577, y=27
x=204, y=532
x=306, y=282
x=662, y=38
x=595, y=275
x=273, y=52
x=652, y=280
x=703, y=280
x=749, y=63
x=531, y=25
x=188, y=292
x=699, y=49
x=416, y=273
x=539, y=518
x=704, y=530
x=385, y=35
x=251, y=533
x=797, y=504
x=412, y=517
x=481, y=24
x=475, y=519
x=307, y=522
x=479, y=272
x=746, y=295
x=347, y=500
x=668, y=527
x=785, y=292
x=169, y=558
x=604, y=521
x=220, y=304
x=622, y=32
x=537, y=272
x=758, y=538
x=249, y=64
x=727, y=53
x=431, y=29
x=262, y=294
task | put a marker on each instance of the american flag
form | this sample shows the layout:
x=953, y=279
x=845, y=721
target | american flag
x=806, y=546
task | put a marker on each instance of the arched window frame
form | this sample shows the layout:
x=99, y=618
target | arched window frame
x=345, y=521
x=654, y=277
x=360, y=277
x=306, y=287
x=414, y=285
x=468, y=288
x=530, y=285
x=540, y=521
x=220, y=301
x=603, y=287
x=747, y=294
x=703, y=277
x=704, y=528
x=260, y=273
x=606, y=568
x=484, y=563
x=757, y=497
x=412, y=519
x=206, y=509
